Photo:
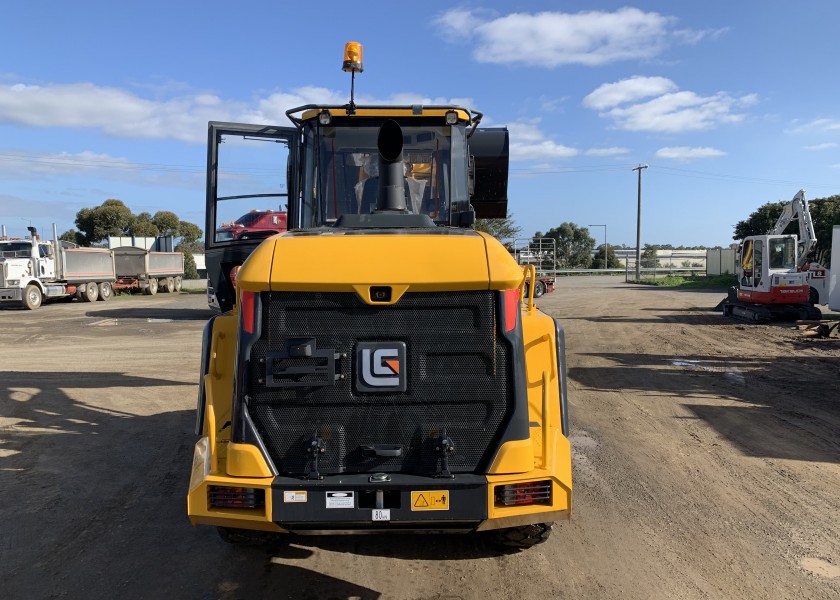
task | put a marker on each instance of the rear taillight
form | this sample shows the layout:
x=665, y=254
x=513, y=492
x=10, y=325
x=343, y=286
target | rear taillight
x=234, y=497
x=511, y=307
x=246, y=306
x=523, y=494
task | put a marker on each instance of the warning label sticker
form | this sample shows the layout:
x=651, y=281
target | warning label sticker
x=430, y=500
x=294, y=496
x=341, y=500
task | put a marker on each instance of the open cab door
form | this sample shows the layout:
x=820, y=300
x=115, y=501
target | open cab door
x=250, y=183
x=490, y=151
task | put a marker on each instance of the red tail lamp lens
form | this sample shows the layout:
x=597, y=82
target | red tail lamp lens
x=523, y=494
x=246, y=305
x=234, y=497
x=511, y=302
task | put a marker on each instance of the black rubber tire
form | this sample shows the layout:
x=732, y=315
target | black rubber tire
x=178, y=283
x=32, y=297
x=539, y=289
x=105, y=291
x=523, y=537
x=91, y=292
x=813, y=296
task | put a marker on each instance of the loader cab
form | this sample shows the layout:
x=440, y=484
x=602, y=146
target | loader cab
x=441, y=172
x=324, y=174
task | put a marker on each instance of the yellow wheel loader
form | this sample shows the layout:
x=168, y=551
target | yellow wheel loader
x=377, y=367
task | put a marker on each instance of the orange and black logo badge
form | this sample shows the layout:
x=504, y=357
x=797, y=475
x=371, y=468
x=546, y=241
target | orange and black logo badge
x=380, y=367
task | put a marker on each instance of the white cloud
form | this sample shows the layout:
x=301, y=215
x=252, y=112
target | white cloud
x=120, y=113
x=628, y=90
x=816, y=125
x=671, y=111
x=817, y=147
x=687, y=153
x=550, y=39
x=527, y=142
x=611, y=151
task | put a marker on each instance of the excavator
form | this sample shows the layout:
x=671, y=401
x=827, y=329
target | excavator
x=378, y=367
x=776, y=280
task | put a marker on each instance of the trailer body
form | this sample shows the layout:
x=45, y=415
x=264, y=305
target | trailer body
x=147, y=270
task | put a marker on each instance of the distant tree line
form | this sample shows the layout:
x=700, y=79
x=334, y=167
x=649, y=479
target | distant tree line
x=576, y=248
x=114, y=218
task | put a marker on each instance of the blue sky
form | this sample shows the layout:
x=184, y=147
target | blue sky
x=732, y=104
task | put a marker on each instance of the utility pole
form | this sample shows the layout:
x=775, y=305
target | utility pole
x=639, y=226
x=606, y=246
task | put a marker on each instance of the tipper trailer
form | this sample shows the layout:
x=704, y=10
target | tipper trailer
x=150, y=271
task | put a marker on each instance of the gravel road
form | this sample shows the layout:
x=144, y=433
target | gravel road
x=706, y=464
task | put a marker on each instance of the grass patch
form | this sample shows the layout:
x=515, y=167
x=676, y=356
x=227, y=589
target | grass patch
x=688, y=281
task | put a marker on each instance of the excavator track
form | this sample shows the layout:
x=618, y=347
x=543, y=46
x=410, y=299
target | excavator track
x=766, y=313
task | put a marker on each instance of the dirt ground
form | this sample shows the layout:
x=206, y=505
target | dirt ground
x=706, y=465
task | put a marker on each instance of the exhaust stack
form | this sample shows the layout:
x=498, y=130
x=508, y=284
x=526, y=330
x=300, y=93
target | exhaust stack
x=391, y=196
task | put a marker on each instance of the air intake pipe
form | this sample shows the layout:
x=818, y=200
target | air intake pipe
x=391, y=197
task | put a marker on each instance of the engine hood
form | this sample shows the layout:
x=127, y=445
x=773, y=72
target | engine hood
x=422, y=261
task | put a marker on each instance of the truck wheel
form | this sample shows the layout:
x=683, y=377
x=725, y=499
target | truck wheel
x=178, y=283
x=91, y=292
x=151, y=287
x=523, y=537
x=539, y=289
x=105, y=291
x=32, y=297
x=168, y=284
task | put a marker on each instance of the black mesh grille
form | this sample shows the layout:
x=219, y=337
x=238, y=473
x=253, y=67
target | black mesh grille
x=457, y=382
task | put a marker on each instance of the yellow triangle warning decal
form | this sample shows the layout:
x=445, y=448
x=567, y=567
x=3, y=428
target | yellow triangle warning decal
x=421, y=501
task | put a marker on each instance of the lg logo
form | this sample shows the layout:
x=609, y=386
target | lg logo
x=380, y=367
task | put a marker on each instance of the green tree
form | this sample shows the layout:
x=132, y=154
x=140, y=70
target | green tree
x=167, y=222
x=190, y=236
x=143, y=226
x=760, y=221
x=650, y=258
x=72, y=236
x=574, y=246
x=612, y=259
x=112, y=217
x=190, y=270
x=499, y=228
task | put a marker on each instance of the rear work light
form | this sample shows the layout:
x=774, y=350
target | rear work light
x=234, y=497
x=522, y=494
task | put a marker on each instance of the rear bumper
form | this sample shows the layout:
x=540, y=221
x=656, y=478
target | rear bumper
x=354, y=504
x=349, y=502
